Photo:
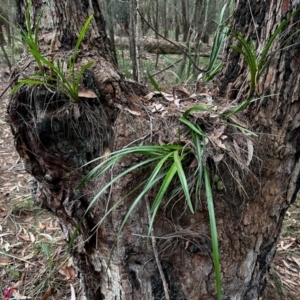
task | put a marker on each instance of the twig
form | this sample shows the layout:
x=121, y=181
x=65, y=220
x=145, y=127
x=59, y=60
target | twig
x=161, y=272
x=167, y=68
x=15, y=257
x=184, y=52
x=15, y=78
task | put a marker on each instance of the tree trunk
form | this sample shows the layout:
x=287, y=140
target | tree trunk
x=54, y=142
x=185, y=19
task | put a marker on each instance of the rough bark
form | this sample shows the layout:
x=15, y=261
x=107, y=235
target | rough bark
x=249, y=212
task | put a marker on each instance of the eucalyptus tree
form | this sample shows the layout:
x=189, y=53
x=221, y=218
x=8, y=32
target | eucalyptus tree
x=56, y=135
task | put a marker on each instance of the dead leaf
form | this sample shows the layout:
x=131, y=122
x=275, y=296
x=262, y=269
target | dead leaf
x=49, y=292
x=237, y=150
x=169, y=97
x=73, y=297
x=85, y=93
x=133, y=112
x=218, y=158
x=3, y=212
x=250, y=152
x=183, y=91
x=32, y=238
x=287, y=246
x=17, y=295
x=296, y=260
x=68, y=272
x=176, y=102
x=158, y=107
x=47, y=236
x=151, y=95
x=194, y=163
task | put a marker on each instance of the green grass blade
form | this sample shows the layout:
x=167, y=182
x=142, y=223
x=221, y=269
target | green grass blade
x=237, y=109
x=210, y=75
x=266, y=49
x=27, y=18
x=243, y=129
x=192, y=126
x=153, y=82
x=150, y=184
x=100, y=169
x=198, y=107
x=214, y=234
x=83, y=33
x=32, y=81
x=151, y=151
x=160, y=194
x=199, y=156
x=36, y=30
x=183, y=181
x=132, y=168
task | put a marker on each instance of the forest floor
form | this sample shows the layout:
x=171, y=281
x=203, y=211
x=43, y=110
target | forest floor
x=33, y=253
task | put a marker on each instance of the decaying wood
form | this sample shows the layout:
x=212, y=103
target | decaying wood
x=161, y=46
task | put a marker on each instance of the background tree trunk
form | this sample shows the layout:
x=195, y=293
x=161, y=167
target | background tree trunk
x=249, y=212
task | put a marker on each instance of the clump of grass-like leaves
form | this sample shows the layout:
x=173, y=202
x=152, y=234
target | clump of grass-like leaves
x=258, y=62
x=52, y=74
x=219, y=39
x=166, y=163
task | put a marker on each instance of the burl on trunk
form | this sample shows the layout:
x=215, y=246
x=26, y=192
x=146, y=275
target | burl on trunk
x=56, y=136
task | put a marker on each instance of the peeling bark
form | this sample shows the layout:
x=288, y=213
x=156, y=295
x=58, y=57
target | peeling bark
x=249, y=213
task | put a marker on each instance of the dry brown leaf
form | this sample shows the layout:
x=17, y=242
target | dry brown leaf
x=133, y=112
x=177, y=102
x=218, y=158
x=24, y=250
x=17, y=295
x=49, y=292
x=169, y=97
x=289, y=281
x=287, y=246
x=158, y=107
x=29, y=256
x=68, y=272
x=32, y=238
x=73, y=297
x=194, y=163
x=187, y=243
x=237, y=150
x=4, y=261
x=296, y=260
x=25, y=238
x=3, y=212
x=47, y=236
x=151, y=95
x=85, y=93
x=183, y=91
x=217, y=142
x=250, y=151
x=289, y=266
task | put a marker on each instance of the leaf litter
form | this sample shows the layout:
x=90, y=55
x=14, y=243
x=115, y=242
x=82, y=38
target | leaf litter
x=34, y=263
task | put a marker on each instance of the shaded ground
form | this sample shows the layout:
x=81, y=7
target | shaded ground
x=32, y=249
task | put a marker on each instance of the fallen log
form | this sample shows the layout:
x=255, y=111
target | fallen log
x=161, y=46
